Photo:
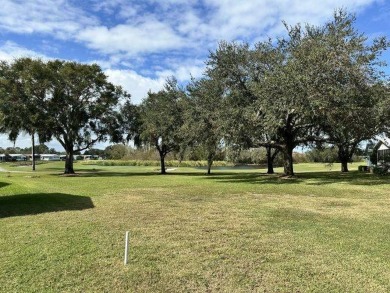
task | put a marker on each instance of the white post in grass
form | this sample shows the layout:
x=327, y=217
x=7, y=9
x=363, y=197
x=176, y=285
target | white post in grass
x=126, y=247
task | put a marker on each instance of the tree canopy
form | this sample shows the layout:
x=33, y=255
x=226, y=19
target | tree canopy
x=72, y=102
x=204, y=124
x=315, y=85
x=25, y=84
x=82, y=108
x=161, y=116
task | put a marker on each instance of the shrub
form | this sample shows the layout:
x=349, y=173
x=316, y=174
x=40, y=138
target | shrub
x=382, y=170
x=256, y=156
x=324, y=155
x=300, y=158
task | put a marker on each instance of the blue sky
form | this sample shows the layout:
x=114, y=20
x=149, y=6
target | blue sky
x=140, y=43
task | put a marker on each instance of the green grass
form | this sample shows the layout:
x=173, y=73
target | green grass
x=233, y=231
x=155, y=163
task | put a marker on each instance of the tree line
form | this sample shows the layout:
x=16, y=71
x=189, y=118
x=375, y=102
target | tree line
x=317, y=85
x=39, y=149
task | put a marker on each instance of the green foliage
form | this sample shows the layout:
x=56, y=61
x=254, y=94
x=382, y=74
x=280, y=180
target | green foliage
x=200, y=152
x=329, y=154
x=39, y=149
x=299, y=158
x=383, y=170
x=384, y=110
x=322, y=155
x=230, y=73
x=161, y=119
x=95, y=152
x=24, y=84
x=82, y=107
x=130, y=123
x=316, y=84
x=350, y=87
x=256, y=156
x=70, y=101
x=204, y=123
x=116, y=152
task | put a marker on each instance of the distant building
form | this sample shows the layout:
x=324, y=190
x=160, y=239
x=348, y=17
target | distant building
x=384, y=151
x=75, y=157
x=90, y=157
x=17, y=157
x=50, y=157
x=36, y=156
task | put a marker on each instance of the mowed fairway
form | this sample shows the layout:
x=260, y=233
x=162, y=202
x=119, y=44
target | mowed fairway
x=233, y=231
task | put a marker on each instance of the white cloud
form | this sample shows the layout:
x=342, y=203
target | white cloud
x=111, y=7
x=176, y=25
x=135, y=84
x=55, y=17
x=146, y=37
x=246, y=19
x=138, y=28
x=138, y=85
x=10, y=51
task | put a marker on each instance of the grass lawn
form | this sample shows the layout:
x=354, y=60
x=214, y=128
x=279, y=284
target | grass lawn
x=233, y=231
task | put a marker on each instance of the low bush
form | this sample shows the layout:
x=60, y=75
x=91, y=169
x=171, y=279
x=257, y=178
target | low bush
x=382, y=170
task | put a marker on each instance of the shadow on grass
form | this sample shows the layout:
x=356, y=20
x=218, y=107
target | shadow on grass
x=308, y=178
x=217, y=176
x=254, y=177
x=37, y=203
x=3, y=184
x=198, y=171
x=352, y=177
x=95, y=173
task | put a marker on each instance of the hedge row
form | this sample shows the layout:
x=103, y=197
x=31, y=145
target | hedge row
x=171, y=163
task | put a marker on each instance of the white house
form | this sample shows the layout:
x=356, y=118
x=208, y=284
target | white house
x=75, y=157
x=18, y=157
x=90, y=157
x=384, y=151
x=50, y=157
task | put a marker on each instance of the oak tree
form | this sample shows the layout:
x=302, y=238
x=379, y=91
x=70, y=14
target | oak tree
x=82, y=108
x=161, y=118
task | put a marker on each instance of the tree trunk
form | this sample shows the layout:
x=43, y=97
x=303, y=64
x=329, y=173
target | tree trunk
x=209, y=164
x=270, y=159
x=345, y=155
x=33, y=151
x=162, y=162
x=270, y=163
x=69, y=163
x=288, y=161
x=344, y=166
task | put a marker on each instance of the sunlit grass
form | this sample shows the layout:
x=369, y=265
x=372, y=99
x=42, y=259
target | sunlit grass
x=233, y=231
